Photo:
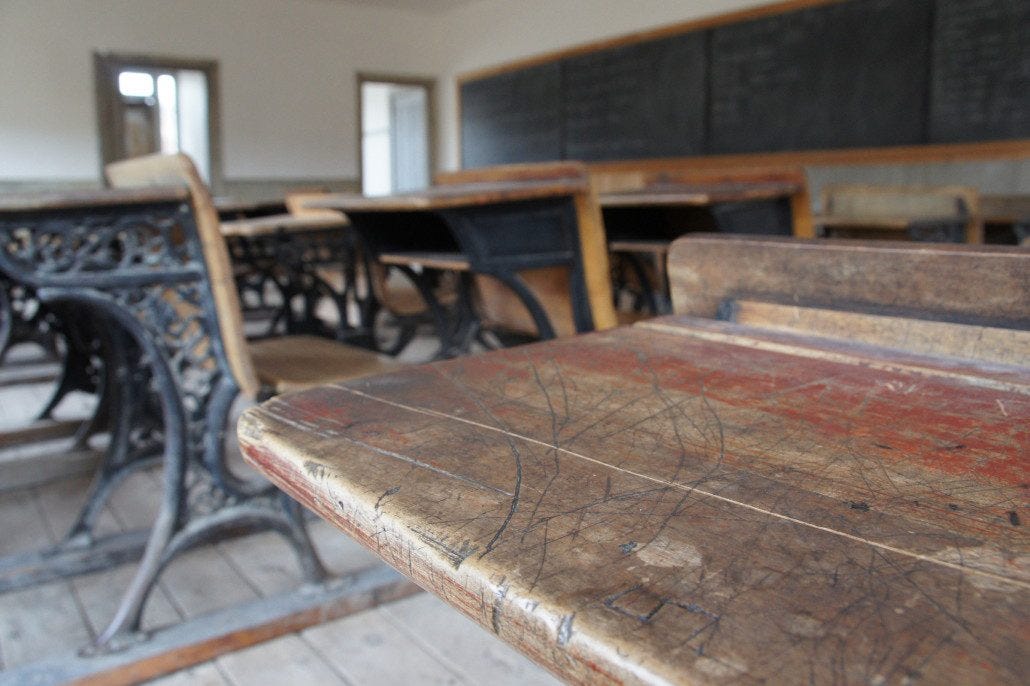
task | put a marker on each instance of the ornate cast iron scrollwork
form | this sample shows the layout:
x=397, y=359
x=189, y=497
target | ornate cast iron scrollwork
x=286, y=275
x=140, y=266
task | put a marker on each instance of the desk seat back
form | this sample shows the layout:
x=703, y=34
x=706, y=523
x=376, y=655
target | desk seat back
x=499, y=306
x=913, y=202
x=179, y=170
x=783, y=284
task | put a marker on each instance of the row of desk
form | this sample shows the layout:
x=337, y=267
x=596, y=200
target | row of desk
x=815, y=472
x=535, y=220
x=433, y=229
x=624, y=506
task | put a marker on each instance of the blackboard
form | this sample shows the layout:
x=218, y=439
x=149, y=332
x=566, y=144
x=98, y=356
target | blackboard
x=850, y=74
x=512, y=117
x=981, y=70
x=839, y=76
x=639, y=100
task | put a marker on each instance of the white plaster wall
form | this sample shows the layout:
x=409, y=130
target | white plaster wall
x=287, y=67
x=288, y=87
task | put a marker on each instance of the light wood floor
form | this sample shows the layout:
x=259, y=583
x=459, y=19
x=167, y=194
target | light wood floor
x=418, y=640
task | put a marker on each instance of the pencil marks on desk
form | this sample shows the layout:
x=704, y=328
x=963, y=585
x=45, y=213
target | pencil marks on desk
x=710, y=492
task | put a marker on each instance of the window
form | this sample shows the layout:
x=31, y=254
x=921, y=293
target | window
x=149, y=105
x=395, y=134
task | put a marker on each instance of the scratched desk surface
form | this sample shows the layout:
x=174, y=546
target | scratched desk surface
x=691, y=501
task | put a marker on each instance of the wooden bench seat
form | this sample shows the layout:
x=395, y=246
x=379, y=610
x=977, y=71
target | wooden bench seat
x=290, y=363
x=265, y=368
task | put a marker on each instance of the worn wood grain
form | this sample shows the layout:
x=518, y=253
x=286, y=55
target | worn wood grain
x=978, y=285
x=693, y=500
x=645, y=505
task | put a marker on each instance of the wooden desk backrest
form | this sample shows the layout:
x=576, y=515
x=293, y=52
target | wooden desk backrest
x=971, y=301
x=178, y=170
x=916, y=202
x=551, y=284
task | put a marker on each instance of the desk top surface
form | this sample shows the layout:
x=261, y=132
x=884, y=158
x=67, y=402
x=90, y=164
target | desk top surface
x=22, y=202
x=701, y=193
x=691, y=501
x=273, y=223
x=452, y=196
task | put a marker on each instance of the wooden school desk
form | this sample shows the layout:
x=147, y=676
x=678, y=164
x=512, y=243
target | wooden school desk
x=642, y=222
x=499, y=229
x=828, y=485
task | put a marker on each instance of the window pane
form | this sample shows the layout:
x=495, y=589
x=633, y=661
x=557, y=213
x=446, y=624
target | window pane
x=168, y=113
x=136, y=84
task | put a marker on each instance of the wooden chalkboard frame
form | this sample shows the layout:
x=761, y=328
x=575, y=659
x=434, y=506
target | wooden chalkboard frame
x=1018, y=148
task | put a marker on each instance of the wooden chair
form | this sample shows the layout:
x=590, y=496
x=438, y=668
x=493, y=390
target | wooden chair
x=921, y=213
x=498, y=307
x=955, y=300
x=265, y=367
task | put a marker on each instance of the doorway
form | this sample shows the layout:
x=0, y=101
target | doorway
x=396, y=123
x=149, y=104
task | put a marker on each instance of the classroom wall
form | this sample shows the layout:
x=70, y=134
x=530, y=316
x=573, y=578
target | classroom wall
x=287, y=70
x=495, y=32
x=288, y=85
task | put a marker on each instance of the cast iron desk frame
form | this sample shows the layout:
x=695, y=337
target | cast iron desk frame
x=133, y=259
x=654, y=240
x=500, y=228
x=286, y=253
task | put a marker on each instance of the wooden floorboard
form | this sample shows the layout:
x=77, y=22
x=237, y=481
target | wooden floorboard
x=456, y=640
x=215, y=634
x=40, y=621
x=286, y=660
x=375, y=647
x=22, y=527
x=368, y=649
x=202, y=675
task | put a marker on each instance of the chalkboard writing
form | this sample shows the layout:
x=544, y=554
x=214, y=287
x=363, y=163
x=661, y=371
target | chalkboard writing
x=641, y=100
x=854, y=73
x=981, y=70
x=845, y=75
x=512, y=117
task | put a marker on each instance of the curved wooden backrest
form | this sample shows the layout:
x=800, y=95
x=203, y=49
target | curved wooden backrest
x=930, y=202
x=551, y=284
x=178, y=170
x=930, y=298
